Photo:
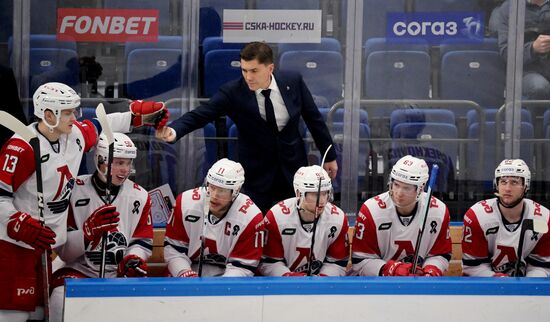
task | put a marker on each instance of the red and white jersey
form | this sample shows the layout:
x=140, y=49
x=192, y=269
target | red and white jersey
x=289, y=243
x=232, y=247
x=18, y=176
x=489, y=246
x=134, y=234
x=380, y=235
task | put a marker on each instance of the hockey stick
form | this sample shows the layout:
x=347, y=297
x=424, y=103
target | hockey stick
x=535, y=225
x=431, y=184
x=106, y=128
x=206, y=210
x=16, y=126
x=310, y=259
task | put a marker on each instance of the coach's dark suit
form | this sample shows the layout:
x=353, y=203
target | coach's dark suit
x=263, y=153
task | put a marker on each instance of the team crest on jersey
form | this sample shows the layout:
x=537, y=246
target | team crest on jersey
x=116, y=245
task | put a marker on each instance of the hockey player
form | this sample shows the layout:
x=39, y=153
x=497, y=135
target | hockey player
x=289, y=227
x=63, y=141
x=229, y=222
x=127, y=221
x=492, y=229
x=387, y=227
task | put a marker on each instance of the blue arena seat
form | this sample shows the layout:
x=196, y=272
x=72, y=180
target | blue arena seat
x=396, y=69
x=222, y=63
x=442, y=153
x=490, y=115
x=220, y=66
x=488, y=44
x=210, y=23
x=322, y=71
x=338, y=115
x=419, y=115
x=50, y=61
x=154, y=70
x=476, y=75
x=326, y=44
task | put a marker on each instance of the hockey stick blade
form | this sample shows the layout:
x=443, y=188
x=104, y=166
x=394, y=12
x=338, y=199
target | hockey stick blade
x=16, y=126
x=102, y=118
x=431, y=184
x=539, y=226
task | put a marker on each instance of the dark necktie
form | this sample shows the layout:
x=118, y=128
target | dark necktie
x=269, y=112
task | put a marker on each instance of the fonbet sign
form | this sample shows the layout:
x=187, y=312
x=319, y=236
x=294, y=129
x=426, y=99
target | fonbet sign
x=108, y=25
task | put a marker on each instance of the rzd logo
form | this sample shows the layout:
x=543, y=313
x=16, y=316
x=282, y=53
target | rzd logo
x=25, y=291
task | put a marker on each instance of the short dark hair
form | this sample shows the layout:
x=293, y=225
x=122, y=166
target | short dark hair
x=257, y=50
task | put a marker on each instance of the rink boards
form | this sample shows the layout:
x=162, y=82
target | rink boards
x=265, y=299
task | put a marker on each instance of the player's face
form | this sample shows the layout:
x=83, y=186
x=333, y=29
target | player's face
x=403, y=194
x=66, y=121
x=255, y=74
x=220, y=199
x=120, y=170
x=310, y=201
x=510, y=189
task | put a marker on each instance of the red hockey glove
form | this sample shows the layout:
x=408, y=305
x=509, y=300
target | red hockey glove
x=132, y=266
x=103, y=219
x=395, y=268
x=501, y=275
x=431, y=270
x=189, y=273
x=149, y=113
x=294, y=274
x=22, y=227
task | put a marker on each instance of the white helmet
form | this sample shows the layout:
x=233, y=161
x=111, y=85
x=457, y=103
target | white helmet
x=123, y=148
x=411, y=170
x=513, y=168
x=226, y=174
x=55, y=97
x=306, y=179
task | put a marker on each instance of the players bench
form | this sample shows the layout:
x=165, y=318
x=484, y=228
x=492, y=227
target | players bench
x=157, y=266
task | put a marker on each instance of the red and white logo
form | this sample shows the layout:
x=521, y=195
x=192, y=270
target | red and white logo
x=108, y=25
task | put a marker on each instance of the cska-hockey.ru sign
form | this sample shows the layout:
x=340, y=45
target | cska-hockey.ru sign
x=107, y=25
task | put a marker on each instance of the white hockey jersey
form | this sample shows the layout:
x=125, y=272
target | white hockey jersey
x=134, y=234
x=381, y=236
x=18, y=176
x=233, y=245
x=288, y=243
x=489, y=246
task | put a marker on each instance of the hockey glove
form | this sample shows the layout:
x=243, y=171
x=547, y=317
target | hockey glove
x=395, y=268
x=188, y=273
x=501, y=275
x=103, y=219
x=22, y=227
x=294, y=274
x=132, y=266
x=149, y=113
x=432, y=270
